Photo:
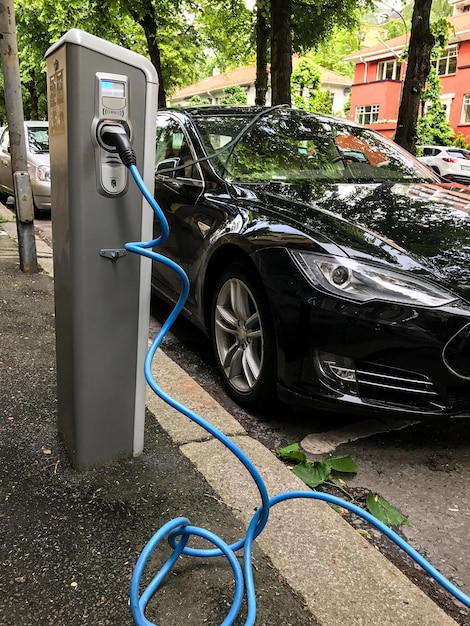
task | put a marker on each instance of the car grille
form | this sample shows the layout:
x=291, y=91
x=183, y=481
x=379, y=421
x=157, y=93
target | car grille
x=396, y=386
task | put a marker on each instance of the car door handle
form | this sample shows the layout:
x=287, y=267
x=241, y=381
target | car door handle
x=173, y=184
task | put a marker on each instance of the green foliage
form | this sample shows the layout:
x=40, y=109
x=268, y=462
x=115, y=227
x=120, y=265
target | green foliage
x=439, y=9
x=331, y=52
x=315, y=473
x=441, y=29
x=174, y=34
x=234, y=95
x=41, y=22
x=433, y=128
x=459, y=141
x=305, y=88
x=305, y=81
x=385, y=512
x=321, y=102
x=314, y=20
x=227, y=29
x=198, y=101
x=395, y=27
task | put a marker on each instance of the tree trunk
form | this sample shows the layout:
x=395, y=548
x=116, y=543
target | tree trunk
x=262, y=38
x=147, y=20
x=281, y=51
x=33, y=106
x=419, y=64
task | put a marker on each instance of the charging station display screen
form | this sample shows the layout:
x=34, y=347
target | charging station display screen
x=113, y=88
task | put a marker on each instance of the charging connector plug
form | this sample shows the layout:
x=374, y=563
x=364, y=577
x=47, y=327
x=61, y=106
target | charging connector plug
x=114, y=137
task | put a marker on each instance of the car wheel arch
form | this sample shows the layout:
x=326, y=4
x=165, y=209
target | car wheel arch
x=254, y=382
x=226, y=255
x=223, y=256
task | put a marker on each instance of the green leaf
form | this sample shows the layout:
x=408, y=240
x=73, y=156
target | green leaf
x=342, y=464
x=291, y=453
x=313, y=473
x=385, y=512
x=363, y=532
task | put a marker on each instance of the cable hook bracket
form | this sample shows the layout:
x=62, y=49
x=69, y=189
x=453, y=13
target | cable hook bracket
x=113, y=253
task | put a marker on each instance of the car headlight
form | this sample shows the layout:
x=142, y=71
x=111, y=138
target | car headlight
x=43, y=173
x=361, y=281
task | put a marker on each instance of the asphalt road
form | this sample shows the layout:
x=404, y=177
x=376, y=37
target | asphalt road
x=422, y=468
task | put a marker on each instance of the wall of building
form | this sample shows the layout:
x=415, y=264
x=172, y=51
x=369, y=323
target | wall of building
x=384, y=93
x=455, y=87
x=387, y=94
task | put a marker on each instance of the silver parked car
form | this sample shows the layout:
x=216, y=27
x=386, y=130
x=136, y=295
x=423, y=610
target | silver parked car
x=37, y=154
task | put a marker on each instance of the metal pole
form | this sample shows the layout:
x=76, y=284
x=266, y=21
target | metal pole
x=15, y=117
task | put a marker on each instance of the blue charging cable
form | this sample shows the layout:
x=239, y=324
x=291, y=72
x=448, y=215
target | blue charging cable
x=179, y=530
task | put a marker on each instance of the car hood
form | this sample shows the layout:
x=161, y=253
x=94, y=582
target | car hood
x=39, y=158
x=422, y=227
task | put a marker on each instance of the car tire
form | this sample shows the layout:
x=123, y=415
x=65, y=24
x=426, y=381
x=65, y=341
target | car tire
x=243, y=338
x=4, y=197
x=38, y=214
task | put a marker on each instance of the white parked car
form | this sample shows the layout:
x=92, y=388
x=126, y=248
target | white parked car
x=37, y=154
x=447, y=161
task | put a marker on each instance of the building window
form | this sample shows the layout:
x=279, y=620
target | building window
x=466, y=109
x=446, y=101
x=367, y=114
x=447, y=63
x=388, y=70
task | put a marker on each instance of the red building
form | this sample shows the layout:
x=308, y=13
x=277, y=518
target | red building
x=379, y=75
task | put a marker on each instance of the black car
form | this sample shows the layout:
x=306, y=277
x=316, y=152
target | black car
x=327, y=265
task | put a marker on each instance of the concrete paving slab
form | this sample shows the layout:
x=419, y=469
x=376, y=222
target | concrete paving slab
x=343, y=579
x=184, y=389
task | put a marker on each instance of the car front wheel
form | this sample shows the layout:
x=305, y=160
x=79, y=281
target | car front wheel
x=243, y=338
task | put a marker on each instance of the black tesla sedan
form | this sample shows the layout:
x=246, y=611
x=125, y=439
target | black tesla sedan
x=328, y=267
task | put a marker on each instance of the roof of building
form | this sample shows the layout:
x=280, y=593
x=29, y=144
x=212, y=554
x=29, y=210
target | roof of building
x=461, y=24
x=245, y=76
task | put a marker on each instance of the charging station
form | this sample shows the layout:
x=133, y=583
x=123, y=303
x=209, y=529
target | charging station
x=102, y=293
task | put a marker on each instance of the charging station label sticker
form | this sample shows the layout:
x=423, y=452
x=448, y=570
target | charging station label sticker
x=57, y=103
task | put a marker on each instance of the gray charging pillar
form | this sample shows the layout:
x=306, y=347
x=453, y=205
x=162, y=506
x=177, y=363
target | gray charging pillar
x=102, y=293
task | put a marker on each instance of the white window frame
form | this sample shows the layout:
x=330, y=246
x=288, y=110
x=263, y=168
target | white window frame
x=445, y=60
x=367, y=114
x=465, y=119
x=446, y=101
x=383, y=70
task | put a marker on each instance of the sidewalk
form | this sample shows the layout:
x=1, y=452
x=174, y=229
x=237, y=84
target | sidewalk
x=70, y=540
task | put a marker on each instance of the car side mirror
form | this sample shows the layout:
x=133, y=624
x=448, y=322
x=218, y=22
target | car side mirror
x=170, y=167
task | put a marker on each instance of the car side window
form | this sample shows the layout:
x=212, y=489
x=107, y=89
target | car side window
x=172, y=143
x=456, y=154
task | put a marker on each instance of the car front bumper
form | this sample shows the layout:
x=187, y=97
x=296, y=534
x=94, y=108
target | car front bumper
x=374, y=357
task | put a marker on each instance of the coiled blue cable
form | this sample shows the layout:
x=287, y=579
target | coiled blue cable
x=178, y=531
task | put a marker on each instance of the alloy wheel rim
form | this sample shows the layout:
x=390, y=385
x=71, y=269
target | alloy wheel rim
x=239, y=335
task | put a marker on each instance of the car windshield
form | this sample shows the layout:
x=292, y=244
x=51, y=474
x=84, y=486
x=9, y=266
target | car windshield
x=38, y=138
x=296, y=146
